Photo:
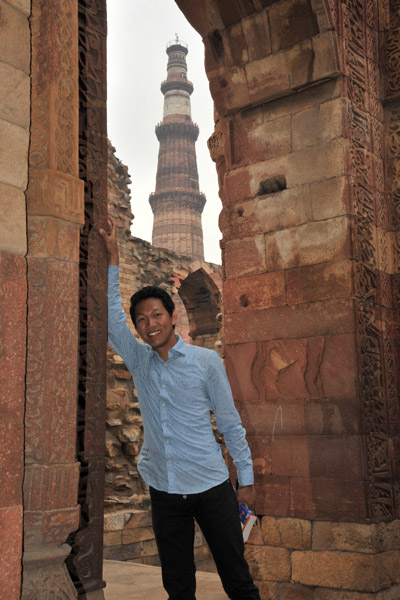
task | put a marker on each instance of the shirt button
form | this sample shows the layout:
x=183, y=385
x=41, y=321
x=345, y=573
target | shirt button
x=163, y=403
x=167, y=441
x=169, y=461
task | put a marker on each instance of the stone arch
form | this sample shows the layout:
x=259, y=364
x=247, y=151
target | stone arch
x=202, y=300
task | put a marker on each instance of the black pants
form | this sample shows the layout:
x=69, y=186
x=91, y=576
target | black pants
x=216, y=512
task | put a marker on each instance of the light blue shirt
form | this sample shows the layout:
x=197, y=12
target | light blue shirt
x=179, y=454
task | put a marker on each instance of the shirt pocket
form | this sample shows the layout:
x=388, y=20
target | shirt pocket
x=191, y=390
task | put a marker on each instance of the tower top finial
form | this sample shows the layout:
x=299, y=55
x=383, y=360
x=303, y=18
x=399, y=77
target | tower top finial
x=176, y=38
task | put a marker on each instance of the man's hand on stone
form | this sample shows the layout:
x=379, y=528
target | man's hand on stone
x=111, y=241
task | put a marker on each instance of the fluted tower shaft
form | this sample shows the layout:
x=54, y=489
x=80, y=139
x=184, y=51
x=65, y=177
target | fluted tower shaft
x=177, y=203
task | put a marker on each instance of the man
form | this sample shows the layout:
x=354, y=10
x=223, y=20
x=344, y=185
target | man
x=177, y=386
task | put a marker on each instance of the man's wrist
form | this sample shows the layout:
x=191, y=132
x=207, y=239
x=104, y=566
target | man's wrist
x=113, y=259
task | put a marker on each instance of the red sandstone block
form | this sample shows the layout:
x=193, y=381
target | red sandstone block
x=329, y=499
x=332, y=317
x=10, y=552
x=272, y=495
x=267, y=77
x=256, y=31
x=317, y=456
x=310, y=243
x=244, y=257
x=301, y=417
x=12, y=336
x=267, y=213
x=320, y=282
x=257, y=291
x=236, y=186
x=291, y=23
x=255, y=139
x=230, y=90
x=11, y=461
x=322, y=367
x=261, y=454
x=52, y=349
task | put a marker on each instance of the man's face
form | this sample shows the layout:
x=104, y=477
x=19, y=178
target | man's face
x=155, y=325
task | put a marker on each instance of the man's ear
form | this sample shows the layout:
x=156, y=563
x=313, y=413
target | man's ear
x=174, y=317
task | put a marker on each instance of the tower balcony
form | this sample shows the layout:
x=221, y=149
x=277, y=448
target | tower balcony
x=178, y=198
x=178, y=128
x=176, y=83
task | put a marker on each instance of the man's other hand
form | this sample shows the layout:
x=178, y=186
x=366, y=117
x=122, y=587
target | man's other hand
x=247, y=495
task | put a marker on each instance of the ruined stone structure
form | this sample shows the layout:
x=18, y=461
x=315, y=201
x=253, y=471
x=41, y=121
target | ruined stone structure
x=177, y=203
x=306, y=143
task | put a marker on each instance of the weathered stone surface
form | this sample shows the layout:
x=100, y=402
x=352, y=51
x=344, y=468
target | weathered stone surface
x=53, y=238
x=286, y=533
x=268, y=589
x=112, y=538
x=320, y=282
x=140, y=518
x=328, y=499
x=307, y=244
x=347, y=570
x=255, y=138
x=333, y=317
x=323, y=122
x=114, y=521
x=267, y=77
x=356, y=537
x=267, y=213
x=12, y=376
x=13, y=155
x=294, y=591
x=10, y=550
x=13, y=223
x=291, y=23
x=317, y=456
x=15, y=37
x=256, y=32
x=244, y=257
x=14, y=95
x=22, y=5
x=281, y=370
x=329, y=198
x=393, y=593
x=314, y=163
x=139, y=534
x=269, y=563
x=257, y=291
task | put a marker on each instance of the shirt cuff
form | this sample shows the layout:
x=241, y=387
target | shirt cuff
x=246, y=476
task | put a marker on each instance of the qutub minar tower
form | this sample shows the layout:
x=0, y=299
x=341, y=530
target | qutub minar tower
x=177, y=203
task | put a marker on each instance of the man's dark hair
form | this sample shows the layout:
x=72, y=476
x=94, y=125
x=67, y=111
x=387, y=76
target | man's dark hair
x=151, y=291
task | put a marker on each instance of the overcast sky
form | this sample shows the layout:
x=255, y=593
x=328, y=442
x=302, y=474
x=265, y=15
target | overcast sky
x=138, y=32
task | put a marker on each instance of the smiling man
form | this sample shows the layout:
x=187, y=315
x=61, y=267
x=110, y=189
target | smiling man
x=177, y=385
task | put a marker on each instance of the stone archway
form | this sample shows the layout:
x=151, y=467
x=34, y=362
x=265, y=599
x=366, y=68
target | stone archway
x=202, y=300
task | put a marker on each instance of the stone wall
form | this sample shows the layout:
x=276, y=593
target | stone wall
x=15, y=56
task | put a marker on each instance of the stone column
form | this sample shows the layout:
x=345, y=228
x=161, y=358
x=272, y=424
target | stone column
x=86, y=560
x=55, y=214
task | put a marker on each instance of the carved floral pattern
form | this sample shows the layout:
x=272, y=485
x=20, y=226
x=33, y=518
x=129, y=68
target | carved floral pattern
x=370, y=238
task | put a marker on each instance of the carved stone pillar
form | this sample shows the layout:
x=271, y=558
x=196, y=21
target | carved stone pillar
x=55, y=213
x=86, y=560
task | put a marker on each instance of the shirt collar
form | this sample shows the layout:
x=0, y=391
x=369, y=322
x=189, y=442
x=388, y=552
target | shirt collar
x=178, y=349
